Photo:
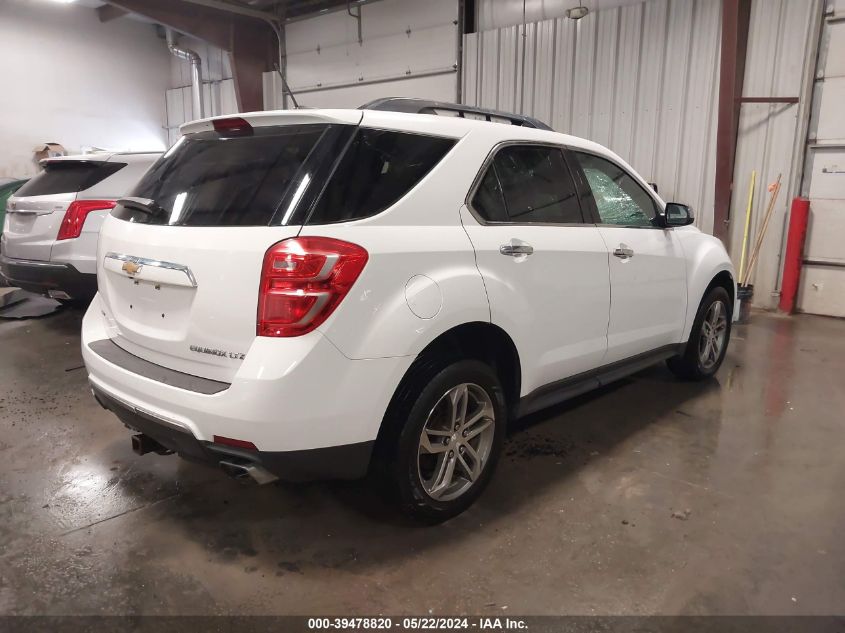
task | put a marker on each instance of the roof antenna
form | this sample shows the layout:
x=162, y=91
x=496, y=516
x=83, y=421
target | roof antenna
x=286, y=87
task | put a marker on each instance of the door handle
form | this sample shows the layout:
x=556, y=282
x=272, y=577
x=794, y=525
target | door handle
x=623, y=252
x=516, y=250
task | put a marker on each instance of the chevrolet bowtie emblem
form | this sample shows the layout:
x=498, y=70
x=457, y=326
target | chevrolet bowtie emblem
x=131, y=268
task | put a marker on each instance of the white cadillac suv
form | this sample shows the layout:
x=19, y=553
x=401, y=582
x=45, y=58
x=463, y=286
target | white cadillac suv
x=318, y=293
x=49, y=241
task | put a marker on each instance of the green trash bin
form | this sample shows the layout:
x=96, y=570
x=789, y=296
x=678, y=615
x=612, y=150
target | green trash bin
x=6, y=191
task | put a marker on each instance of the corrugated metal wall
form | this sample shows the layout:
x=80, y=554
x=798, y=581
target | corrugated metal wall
x=640, y=79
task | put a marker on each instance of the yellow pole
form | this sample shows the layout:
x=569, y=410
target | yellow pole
x=747, y=223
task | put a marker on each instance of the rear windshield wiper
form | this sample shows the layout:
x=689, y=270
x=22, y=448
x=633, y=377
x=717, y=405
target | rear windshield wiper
x=144, y=205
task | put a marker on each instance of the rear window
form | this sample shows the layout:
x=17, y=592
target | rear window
x=68, y=176
x=211, y=180
x=378, y=168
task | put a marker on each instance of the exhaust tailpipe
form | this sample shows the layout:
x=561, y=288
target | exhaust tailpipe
x=248, y=470
x=143, y=444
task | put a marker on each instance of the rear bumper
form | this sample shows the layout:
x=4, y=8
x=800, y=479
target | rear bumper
x=44, y=277
x=311, y=412
x=334, y=462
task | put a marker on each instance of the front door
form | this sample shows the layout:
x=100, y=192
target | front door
x=647, y=265
x=544, y=268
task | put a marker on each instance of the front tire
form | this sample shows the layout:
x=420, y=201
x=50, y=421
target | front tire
x=708, y=341
x=446, y=439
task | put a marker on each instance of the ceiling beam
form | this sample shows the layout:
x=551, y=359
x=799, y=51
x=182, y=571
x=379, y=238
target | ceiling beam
x=250, y=42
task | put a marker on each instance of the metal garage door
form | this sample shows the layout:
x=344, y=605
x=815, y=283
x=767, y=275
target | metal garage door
x=822, y=289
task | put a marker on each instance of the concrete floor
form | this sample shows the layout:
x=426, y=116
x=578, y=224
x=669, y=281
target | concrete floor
x=579, y=518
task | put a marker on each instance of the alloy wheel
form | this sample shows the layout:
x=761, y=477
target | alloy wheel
x=456, y=441
x=713, y=335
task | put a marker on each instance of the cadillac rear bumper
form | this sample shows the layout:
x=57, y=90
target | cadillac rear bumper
x=45, y=278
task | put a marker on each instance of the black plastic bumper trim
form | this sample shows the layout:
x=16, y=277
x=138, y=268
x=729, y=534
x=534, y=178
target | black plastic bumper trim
x=41, y=277
x=116, y=355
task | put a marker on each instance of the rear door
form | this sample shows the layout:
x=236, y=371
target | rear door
x=647, y=265
x=179, y=267
x=545, y=269
x=36, y=211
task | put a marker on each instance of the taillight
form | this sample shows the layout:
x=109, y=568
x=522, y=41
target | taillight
x=303, y=280
x=75, y=216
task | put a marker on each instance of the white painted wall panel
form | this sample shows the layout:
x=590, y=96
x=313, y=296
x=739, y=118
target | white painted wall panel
x=825, y=231
x=72, y=80
x=404, y=43
x=831, y=118
x=820, y=291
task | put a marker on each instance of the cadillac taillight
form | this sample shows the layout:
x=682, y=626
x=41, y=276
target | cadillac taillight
x=303, y=279
x=75, y=216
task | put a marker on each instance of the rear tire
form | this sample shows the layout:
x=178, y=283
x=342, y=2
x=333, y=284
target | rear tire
x=443, y=437
x=709, y=338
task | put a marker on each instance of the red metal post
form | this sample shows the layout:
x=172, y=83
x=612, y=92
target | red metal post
x=798, y=217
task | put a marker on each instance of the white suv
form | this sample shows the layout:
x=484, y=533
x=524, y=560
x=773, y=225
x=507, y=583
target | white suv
x=314, y=293
x=49, y=241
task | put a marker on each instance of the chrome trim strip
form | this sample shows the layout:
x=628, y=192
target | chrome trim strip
x=143, y=261
x=31, y=262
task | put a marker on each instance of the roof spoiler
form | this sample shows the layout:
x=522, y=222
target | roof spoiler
x=424, y=106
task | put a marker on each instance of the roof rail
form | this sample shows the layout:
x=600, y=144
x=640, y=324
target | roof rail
x=424, y=106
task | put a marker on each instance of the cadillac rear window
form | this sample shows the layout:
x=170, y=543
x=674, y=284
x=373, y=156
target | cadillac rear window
x=210, y=179
x=68, y=176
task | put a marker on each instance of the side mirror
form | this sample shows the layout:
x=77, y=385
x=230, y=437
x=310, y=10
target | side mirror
x=677, y=215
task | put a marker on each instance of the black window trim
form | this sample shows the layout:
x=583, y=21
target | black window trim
x=581, y=181
x=488, y=162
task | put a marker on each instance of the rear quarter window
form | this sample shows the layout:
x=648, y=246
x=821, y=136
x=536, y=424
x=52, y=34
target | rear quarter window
x=68, y=176
x=377, y=169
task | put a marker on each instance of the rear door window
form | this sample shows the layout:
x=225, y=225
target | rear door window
x=378, y=168
x=68, y=176
x=208, y=179
x=528, y=184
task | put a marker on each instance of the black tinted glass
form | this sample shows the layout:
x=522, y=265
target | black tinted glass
x=536, y=185
x=488, y=201
x=378, y=168
x=208, y=179
x=68, y=176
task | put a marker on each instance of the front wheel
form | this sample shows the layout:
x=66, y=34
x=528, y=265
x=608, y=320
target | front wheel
x=449, y=442
x=708, y=341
